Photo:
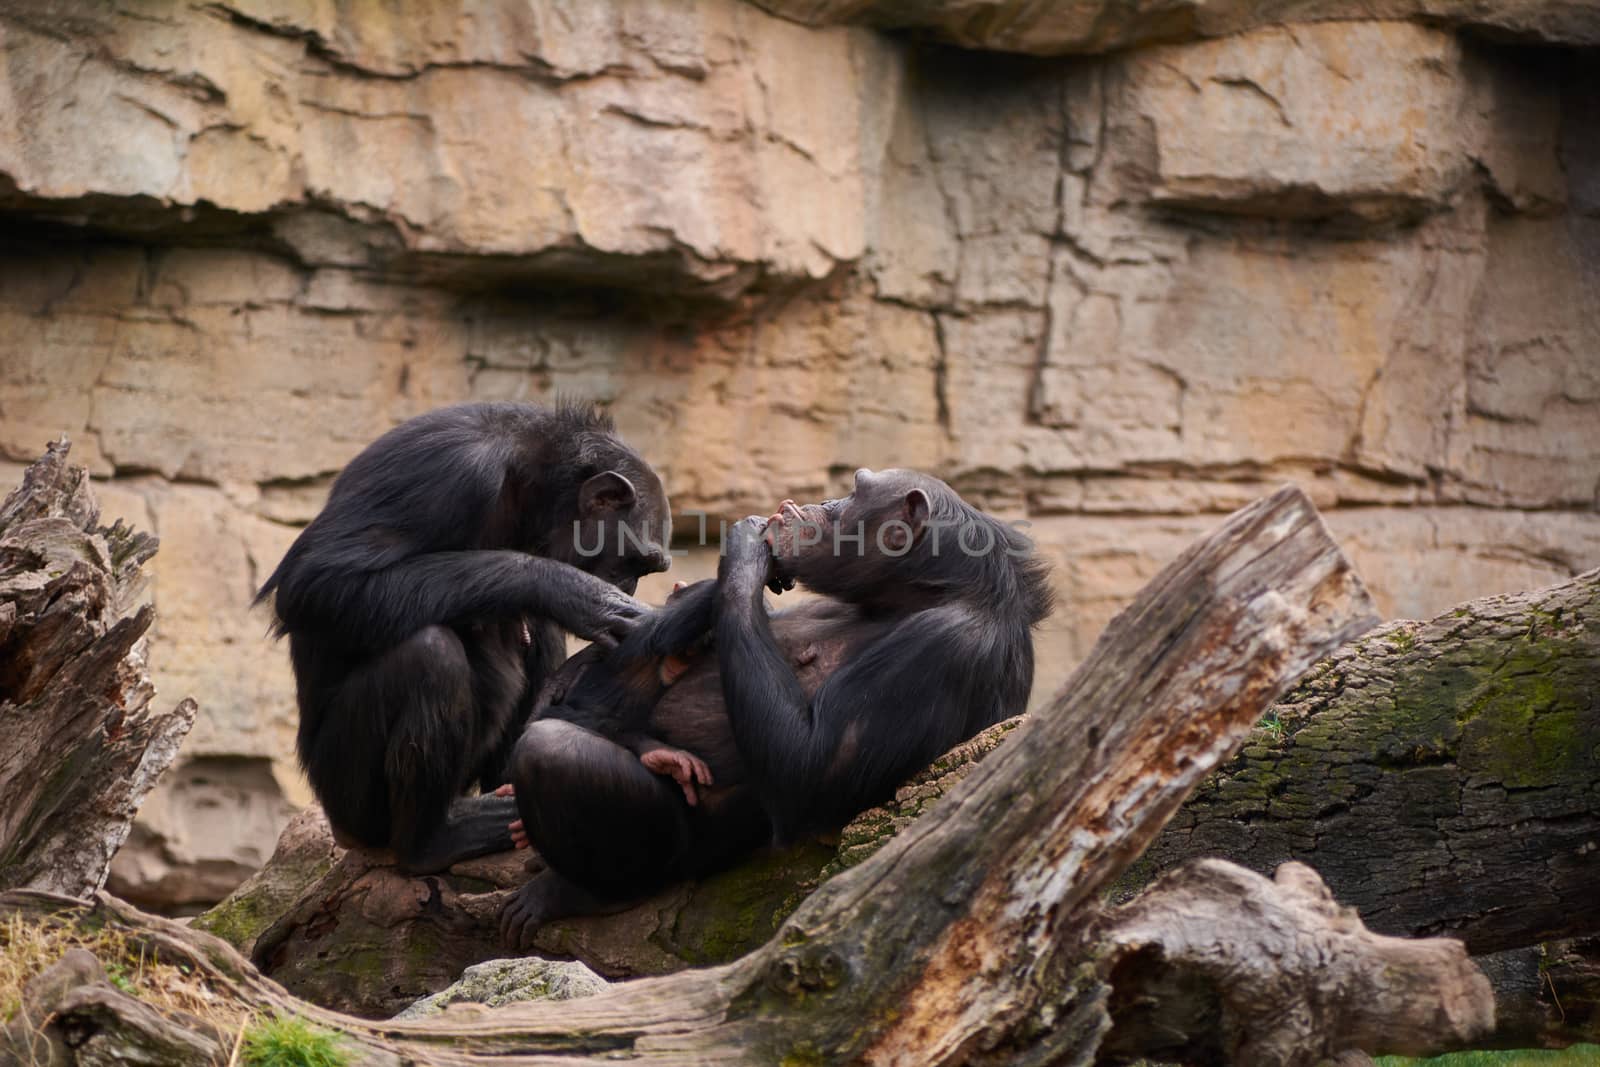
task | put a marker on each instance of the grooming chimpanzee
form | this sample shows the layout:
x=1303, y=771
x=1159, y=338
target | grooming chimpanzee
x=922, y=636
x=424, y=608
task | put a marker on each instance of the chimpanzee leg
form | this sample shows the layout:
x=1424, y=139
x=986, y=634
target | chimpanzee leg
x=724, y=828
x=341, y=743
x=721, y=831
x=610, y=830
x=425, y=685
x=594, y=812
x=471, y=827
x=545, y=652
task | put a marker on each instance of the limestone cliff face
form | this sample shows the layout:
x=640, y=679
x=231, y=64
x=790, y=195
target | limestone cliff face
x=1114, y=293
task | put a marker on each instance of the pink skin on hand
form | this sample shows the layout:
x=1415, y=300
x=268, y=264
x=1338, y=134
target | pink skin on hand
x=519, y=836
x=789, y=532
x=682, y=767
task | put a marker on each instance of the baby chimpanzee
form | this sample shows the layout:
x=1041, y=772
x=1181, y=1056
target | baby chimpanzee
x=921, y=637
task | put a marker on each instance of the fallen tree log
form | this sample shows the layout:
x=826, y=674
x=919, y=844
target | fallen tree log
x=81, y=747
x=981, y=934
x=1272, y=964
x=350, y=931
x=1385, y=733
x=1215, y=963
x=1442, y=775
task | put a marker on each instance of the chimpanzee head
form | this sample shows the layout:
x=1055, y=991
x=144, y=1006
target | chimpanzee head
x=622, y=527
x=900, y=536
x=610, y=515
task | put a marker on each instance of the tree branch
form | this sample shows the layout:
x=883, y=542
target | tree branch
x=1214, y=963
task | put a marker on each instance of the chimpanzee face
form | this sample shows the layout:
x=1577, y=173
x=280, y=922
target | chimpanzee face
x=623, y=527
x=840, y=546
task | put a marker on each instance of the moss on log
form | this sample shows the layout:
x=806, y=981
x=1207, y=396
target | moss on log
x=1442, y=776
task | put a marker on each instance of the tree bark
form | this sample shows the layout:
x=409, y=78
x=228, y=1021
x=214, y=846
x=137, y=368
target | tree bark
x=981, y=933
x=1546, y=996
x=1440, y=775
x=81, y=749
x=1260, y=969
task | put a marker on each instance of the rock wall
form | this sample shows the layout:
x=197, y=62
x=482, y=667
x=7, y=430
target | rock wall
x=1114, y=294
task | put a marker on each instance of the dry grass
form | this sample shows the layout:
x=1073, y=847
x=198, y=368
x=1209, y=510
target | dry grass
x=173, y=988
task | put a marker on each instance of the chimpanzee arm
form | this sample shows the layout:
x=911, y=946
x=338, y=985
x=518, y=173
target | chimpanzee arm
x=379, y=608
x=896, y=706
x=545, y=651
x=677, y=626
x=390, y=553
x=891, y=710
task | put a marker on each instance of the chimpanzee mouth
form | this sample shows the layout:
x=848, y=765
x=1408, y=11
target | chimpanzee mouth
x=796, y=530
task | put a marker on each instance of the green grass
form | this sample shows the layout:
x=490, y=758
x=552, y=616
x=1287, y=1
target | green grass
x=1576, y=1056
x=285, y=1041
x=1273, y=725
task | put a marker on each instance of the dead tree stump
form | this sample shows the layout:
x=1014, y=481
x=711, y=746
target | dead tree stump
x=81, y=747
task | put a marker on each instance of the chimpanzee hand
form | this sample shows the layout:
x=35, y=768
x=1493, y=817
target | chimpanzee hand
x=682, y=767
x=747, y=538
x=746, y=557
x=519, y=835
x=594, y=609
x=777, y=531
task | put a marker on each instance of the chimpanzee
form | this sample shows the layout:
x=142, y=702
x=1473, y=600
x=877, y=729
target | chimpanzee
x=425, y=606
x=922, y=636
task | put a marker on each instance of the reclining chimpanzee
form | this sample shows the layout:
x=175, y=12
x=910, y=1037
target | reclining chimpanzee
x=922, y=636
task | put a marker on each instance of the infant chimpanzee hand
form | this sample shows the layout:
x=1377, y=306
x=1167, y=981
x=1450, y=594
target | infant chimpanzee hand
x=682, y=767
x=519, y=835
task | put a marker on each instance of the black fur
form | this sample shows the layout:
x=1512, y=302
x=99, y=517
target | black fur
x=425, y=605
x=806, y=717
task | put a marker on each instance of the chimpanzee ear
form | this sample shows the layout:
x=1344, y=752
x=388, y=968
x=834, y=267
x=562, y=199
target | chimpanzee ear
x=914, y=514
x=606, y=491
x=916, y=508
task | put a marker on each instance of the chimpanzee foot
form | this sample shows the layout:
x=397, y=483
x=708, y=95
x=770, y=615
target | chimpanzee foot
x=475, y=826
x=546, y=897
